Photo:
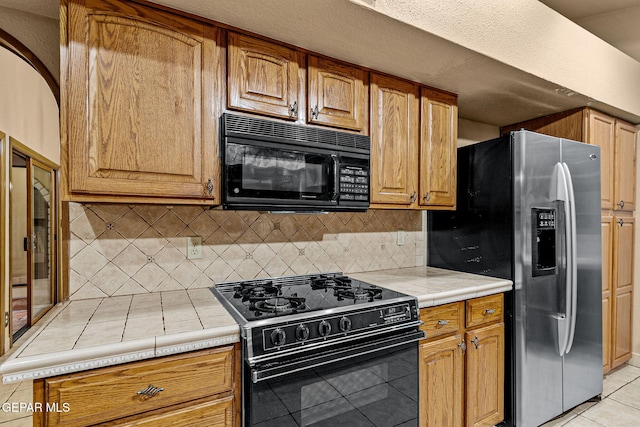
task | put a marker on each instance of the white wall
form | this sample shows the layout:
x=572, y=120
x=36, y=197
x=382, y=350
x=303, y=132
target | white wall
x=29, y=114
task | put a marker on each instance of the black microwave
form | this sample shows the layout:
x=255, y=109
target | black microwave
x=276, y=166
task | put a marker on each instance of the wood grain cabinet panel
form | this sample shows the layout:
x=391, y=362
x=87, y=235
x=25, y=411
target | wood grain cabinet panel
x=138, y=118
x=337, y=95
x=484, y=378
x=442, y=383
x=462, y=370
x=438, y=149
x=113, y=393
x=263, y=77
x=394, y=141
x=607, y=260
x=622, y=298
x=601, y=131
x=625, y=167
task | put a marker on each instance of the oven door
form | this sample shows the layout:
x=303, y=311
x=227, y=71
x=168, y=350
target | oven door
x=372, y=384
x=273, y=176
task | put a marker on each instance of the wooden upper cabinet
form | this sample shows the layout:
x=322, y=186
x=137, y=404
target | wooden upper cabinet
x=263, y=77
x=625, y=167
x=138, y=119
x=337, y=94
x=394, y=141
x=438, y=148
x=601, y=132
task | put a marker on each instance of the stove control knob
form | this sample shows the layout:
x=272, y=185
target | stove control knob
x=345, y=324
x=324, y=328
x=302, y=332
x=278, y=337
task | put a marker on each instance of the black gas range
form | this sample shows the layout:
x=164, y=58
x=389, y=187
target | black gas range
x=312, y=327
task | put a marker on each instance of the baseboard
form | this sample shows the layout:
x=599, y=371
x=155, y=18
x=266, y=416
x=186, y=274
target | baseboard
x=635, y=360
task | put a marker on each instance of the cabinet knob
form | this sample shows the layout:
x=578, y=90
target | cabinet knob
x=463, y=347
x=621, y=204
x=293, y=109
x=476, y=342
x=414, y=196
x=620, y=222
x=315, y=112
x=490, y=311
x=210, y=187
x=150, y=391
x=443, y=322
x=427, y=196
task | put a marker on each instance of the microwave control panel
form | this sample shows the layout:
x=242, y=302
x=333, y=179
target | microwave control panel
x=354, y=183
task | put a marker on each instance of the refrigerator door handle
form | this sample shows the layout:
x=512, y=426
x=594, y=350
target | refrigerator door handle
x=560, y=192
x=572, y=259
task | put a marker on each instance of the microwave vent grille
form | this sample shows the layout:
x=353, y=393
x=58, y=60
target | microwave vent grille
x=258, y=128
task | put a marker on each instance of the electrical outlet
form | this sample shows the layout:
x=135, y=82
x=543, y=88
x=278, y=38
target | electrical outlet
x=401, y=236
x=194, y=247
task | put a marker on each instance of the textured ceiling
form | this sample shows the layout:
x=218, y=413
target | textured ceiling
x=490, y=91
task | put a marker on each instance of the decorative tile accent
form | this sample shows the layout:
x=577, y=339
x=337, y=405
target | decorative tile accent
x=237, y=245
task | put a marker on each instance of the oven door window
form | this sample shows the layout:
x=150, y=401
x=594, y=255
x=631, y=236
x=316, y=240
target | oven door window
x=277, y=172
x=378, y=389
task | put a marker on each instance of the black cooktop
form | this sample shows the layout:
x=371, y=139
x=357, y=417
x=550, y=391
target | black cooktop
x=269, y=298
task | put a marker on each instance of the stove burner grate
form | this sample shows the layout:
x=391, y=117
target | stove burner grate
x=278, y=305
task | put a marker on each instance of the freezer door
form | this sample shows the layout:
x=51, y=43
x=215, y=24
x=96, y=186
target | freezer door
x=539, y=306
x=582, y=374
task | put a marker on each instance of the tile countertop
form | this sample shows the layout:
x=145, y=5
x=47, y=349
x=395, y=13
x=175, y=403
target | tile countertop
x=93, y=333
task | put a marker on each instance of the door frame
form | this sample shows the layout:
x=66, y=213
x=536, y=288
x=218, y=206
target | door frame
x=33, y=158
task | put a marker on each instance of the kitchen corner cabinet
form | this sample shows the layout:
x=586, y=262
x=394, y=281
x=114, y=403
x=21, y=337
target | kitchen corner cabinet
x=338, y=94
x=413, y=140
x=617, y=142
x=138, y=109
x=462, y=364
x=622, y=290
x=263, y=77
x=199, y=388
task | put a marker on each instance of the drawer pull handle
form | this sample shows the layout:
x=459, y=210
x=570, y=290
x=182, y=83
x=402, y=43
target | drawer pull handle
x=150, y=391
x=443, y=322
x=490, y=311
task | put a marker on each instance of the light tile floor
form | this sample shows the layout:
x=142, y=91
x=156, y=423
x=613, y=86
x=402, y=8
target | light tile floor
x=619, y=407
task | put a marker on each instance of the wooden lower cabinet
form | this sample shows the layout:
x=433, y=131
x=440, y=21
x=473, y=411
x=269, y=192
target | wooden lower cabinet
x=192, y=389
x=462, y=364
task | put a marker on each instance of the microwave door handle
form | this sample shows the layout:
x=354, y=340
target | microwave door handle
x=336, y=184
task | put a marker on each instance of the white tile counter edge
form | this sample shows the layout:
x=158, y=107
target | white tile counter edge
x=62, y=362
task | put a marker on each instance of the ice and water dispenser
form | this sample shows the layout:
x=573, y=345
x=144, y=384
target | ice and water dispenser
x=543, y=247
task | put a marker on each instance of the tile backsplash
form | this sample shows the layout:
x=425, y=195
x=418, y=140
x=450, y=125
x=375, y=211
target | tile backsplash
x=131, y=249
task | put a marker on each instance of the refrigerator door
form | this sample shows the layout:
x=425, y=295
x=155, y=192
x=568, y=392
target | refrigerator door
x=582, y=374
x=539, y=278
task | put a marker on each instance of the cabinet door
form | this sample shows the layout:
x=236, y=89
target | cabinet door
x=438, y=139
x=622, y=289
x=607, y=259
x=139, y=121
x=485, y=375
x=337, y=95
x=441, y=383
x=625, y=167
x=601, y=132
x=263, y=77
x=394, y=141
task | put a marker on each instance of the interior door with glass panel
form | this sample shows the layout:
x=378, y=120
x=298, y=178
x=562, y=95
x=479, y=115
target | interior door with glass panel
x=32, y=228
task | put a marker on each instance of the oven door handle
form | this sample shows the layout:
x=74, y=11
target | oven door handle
x=276, y=369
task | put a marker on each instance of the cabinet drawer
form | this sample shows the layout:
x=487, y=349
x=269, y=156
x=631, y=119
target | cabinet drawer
x=109, y=393
x=442, y=319
x=484, y=310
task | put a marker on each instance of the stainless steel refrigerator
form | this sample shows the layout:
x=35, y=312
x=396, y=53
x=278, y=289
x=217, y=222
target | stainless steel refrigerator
x=528, y=209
